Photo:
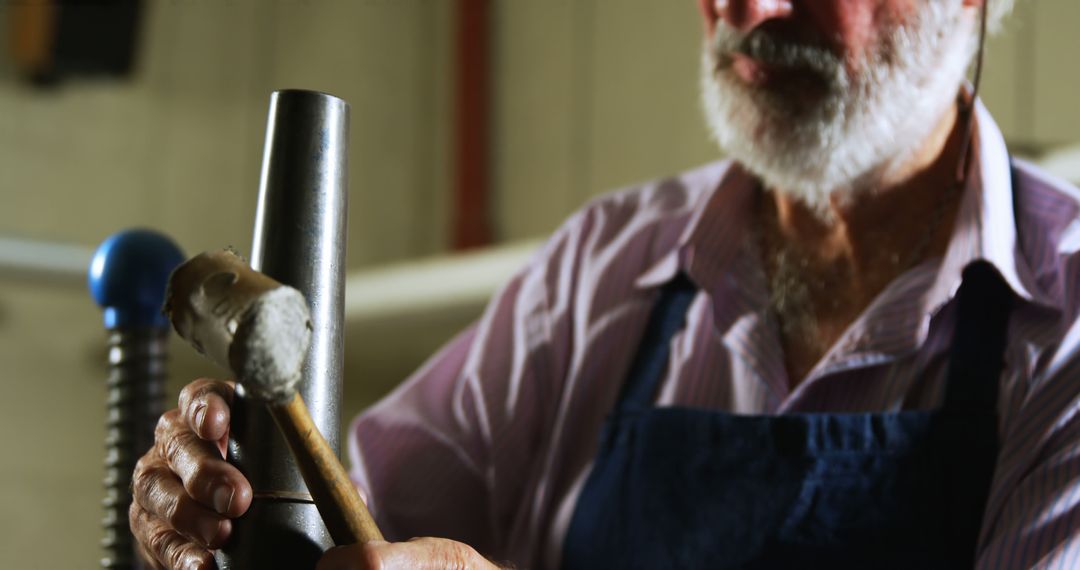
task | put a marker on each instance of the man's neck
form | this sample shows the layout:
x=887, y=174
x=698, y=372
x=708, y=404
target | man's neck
x=825, y=270
x=885, y=213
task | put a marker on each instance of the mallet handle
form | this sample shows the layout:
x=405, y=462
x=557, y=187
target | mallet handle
x=345, y=515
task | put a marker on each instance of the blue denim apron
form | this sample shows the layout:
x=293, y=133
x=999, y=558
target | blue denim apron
x=689, y=488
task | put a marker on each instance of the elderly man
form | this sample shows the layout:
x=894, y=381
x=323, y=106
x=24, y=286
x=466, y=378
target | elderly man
x=851, y=346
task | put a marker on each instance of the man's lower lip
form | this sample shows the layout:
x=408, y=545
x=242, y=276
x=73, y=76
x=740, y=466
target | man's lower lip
x=755, y=73
x=748, y=69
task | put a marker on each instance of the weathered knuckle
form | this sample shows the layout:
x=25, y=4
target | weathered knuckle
x=172, y=549
x=197, y=391
x=142, y=466
x=174, y=556
x=165, y=425
x=193, y=397
x=194, y=389
x=451, y=554
x=136, y=520
x=172, y=511
x=148, y=536
x=174, y=448
x=159, y=542
x=143, y=484
x=463, y=556
x=187, y=393
x=150, y=489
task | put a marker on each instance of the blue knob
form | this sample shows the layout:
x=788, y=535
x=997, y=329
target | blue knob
x=128, y=276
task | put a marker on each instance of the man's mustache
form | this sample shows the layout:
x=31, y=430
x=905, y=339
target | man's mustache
x=771, y=48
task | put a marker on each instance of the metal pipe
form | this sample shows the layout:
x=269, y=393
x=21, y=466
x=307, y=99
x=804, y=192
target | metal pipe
x=300, y=238
x=47, y=262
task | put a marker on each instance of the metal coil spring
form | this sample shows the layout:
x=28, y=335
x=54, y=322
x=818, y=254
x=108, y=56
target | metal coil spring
x=134, y=401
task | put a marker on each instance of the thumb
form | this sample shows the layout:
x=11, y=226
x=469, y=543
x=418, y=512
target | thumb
x=352, y=557
x=417, y=554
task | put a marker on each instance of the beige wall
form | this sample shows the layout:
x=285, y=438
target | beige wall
x=590, y=94
x=598, y=94
x=178, y=148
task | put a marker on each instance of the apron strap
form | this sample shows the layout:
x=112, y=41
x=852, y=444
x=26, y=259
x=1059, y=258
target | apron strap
x=647, y=371
x=977, y=356
x=984, y=303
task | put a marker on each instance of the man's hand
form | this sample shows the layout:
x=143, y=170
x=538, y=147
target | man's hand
x=185, y=492
x=416, y=554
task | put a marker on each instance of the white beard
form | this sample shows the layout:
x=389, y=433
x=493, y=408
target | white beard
x=865, y=123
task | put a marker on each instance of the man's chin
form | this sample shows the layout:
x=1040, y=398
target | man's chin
x=789, y=101
x=778, y=136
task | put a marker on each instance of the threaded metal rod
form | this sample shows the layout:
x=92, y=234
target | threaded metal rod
x=127, y=278
x=134, y=401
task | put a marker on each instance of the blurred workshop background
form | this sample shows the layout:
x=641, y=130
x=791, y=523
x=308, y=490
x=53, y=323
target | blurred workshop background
x=152, y=114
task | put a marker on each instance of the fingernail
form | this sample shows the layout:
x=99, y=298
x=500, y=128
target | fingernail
x=223, y=497
x=198, y=563
x=200, y=415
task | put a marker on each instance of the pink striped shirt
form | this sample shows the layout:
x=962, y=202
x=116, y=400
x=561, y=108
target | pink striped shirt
x=490, y=442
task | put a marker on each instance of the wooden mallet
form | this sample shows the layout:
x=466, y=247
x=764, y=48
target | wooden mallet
x=260, y=330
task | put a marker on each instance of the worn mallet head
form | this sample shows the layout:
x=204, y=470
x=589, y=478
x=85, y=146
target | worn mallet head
x=260, y=329
x=242, y=320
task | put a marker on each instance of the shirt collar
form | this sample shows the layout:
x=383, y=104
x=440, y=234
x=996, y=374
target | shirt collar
x=985, y=229
x=985, y=225
x=714, y=232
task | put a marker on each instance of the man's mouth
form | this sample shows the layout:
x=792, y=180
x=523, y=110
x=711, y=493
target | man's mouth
x=752, y=71
x=780, y=77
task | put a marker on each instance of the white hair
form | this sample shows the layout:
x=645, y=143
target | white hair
x=867, y=122
x=996, y=11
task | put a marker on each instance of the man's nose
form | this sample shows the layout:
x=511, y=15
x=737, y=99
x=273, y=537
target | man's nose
x=745, y=15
